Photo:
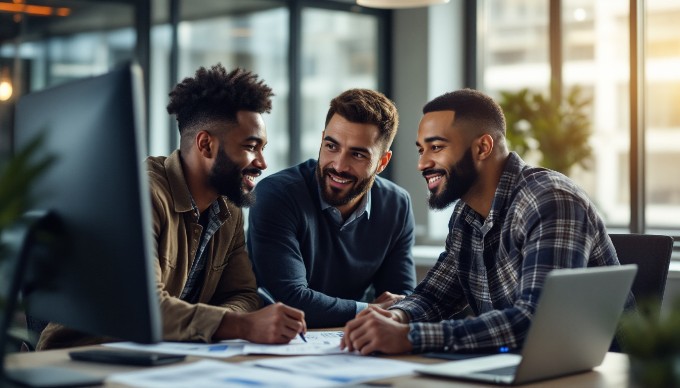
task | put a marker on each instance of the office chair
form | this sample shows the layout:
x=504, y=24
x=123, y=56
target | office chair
x=652, y=254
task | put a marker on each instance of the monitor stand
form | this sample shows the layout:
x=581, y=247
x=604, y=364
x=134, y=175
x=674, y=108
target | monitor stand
x=17, y=242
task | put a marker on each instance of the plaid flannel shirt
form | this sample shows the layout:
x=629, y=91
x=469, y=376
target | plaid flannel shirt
x=192, y=288
x=539, y=221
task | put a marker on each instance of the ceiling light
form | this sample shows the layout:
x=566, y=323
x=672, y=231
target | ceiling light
x=5, y=86
x=34, y=10
x=399, y=3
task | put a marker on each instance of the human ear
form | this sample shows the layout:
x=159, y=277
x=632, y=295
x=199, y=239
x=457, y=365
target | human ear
x=204, y=144
x=484, y=146
x=384, y=161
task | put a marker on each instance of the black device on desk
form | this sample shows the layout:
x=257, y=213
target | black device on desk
x=127, y=357
x=94, y=202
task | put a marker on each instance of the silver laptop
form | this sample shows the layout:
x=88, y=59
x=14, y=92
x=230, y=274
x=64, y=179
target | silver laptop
x=572, y=329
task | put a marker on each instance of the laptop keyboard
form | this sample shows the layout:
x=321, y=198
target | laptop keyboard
x=505, y=371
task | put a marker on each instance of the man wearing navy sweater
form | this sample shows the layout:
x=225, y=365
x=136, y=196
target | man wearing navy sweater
x=328, y=236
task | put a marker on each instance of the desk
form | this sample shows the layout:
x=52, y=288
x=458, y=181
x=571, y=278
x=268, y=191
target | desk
x=612, y=373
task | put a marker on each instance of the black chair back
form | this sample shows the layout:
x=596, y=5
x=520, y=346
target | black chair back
x=652, y=254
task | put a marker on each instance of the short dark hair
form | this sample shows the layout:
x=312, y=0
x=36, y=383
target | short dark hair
x=217, y=95
x=367, y=106
x=475, y=111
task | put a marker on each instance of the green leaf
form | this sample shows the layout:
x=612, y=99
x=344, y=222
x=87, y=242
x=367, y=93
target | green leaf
x=561, y=129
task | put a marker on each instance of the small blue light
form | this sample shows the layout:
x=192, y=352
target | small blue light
x=503, y=349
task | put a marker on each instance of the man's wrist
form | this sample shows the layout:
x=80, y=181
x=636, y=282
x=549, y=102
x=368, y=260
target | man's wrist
x=360, y=306
x=230, y=326
x=400, y=315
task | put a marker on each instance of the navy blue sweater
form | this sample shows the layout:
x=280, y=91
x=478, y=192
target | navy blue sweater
x=307, y=261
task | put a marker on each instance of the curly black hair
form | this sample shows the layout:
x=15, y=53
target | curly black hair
x=217, y=95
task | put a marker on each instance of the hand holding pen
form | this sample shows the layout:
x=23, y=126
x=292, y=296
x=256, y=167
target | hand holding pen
x=268, y=298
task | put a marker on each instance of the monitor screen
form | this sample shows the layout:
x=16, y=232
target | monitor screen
x=103, y=282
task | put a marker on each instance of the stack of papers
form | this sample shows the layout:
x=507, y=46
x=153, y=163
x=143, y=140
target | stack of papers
x=329, y=371
x=337, y=367
x=318, y=343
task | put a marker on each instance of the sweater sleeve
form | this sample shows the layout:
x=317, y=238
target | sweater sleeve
x=397, y=273
x=275, y=227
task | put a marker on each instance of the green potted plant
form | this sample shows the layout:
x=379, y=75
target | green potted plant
x=651, y=338
x=17, y=176
x=556, y=130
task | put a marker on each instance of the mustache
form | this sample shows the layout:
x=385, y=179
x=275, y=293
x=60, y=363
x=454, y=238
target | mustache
x=343, y=175
x=433, y=171
x=252, y=171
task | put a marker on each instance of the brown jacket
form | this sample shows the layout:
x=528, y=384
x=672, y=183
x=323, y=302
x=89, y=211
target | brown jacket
x=229, y=283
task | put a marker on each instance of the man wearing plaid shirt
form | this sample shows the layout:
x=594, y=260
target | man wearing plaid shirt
x=511, y=225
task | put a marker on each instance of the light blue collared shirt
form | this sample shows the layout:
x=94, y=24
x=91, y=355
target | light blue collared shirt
x=364, y=206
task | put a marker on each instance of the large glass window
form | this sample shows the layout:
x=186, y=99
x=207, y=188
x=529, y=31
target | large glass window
x=601, y=29
x=513, y=54
x=252, y=35
x=514, y=45
x=38, y=51
x=662, y=113
x=339, y=52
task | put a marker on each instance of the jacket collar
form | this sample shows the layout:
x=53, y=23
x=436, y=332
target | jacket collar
x=181, y=196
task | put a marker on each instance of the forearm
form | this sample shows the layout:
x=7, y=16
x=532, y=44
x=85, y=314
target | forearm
x=183, y=321
x=487, y=332
x=321, y=310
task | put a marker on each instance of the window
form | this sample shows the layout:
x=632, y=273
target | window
x=253, y=36
x=596, y=57
x=662, y=116
x=339, y=52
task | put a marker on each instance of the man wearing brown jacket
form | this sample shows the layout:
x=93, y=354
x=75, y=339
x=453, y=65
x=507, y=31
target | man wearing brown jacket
x=204, y=278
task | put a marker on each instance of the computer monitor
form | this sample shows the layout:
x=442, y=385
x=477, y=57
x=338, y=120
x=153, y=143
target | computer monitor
x=101, y=281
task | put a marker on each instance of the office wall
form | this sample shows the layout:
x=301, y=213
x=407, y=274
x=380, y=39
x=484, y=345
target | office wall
x=427, y=62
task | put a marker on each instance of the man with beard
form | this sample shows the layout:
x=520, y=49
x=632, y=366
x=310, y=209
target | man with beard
x=204, y=278
x=511, y=225
x=328, y=235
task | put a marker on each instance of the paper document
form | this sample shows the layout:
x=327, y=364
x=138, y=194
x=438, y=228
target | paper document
x=212, y=374
x=343, y=369
x=219, y=350
x=318, y=342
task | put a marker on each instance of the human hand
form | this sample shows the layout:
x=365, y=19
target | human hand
x=375, y=330
x=387, y=299
x=274, y=324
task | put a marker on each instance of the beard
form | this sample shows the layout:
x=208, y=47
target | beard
x=334, y=196
x=227, y=179
x=458, y=182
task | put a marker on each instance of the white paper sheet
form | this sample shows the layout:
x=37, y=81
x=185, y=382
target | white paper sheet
x=318, y=342
x=213, y=374
x=218, y=350
x=343, y=369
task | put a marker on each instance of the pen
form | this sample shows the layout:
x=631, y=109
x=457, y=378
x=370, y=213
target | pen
x=264, y=294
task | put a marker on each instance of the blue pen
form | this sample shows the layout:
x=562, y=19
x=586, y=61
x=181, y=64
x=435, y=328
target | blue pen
x=264, y=294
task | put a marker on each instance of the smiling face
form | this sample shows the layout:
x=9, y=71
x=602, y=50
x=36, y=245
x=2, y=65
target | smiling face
x=239, y=159
x=446, y=160
x=349, y=159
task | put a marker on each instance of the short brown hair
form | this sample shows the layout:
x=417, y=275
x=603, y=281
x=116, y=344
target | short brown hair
x=367, y=106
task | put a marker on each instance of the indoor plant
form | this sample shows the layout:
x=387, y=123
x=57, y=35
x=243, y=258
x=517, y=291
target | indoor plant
x=17, y=176
x=651, y=338
x=557, y=130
